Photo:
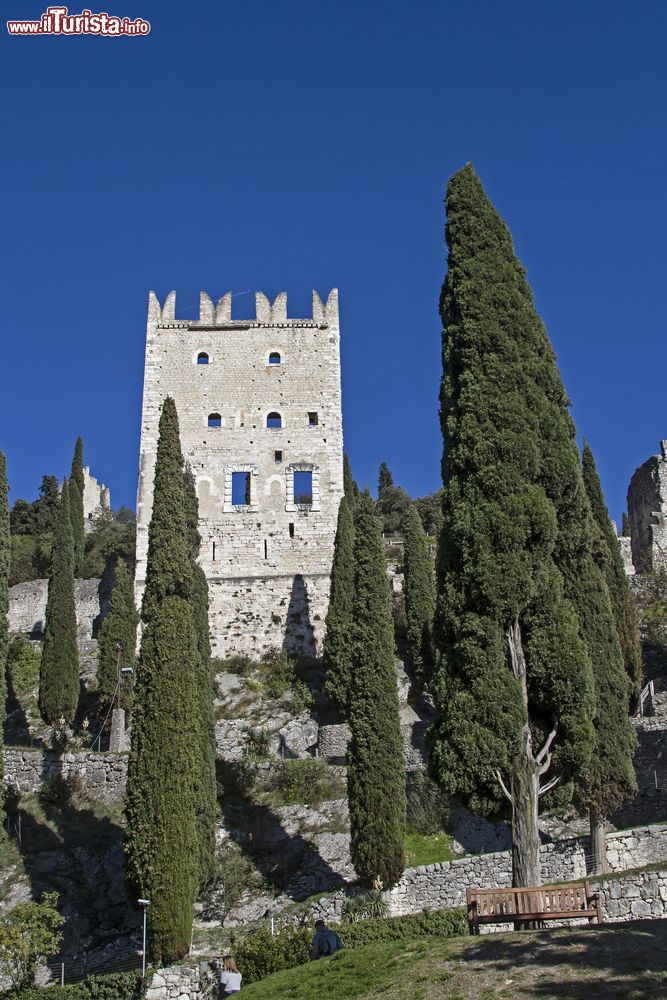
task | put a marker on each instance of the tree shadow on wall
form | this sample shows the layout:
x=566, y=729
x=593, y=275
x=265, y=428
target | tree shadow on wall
x=74, y=846
x=299, y=633
x=289, y=862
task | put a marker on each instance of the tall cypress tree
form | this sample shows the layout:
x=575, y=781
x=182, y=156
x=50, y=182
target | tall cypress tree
x=609, y=780
x=59, y=667
x=76, y=486
x=513, y=685
x=375, y=768
x=161, y=803
x=207, y=800
x=118, y=635
x=419, y=592
x=611, y=562
x=385, y=481
x=337, y=651
x=350, y=487
x=4, y=604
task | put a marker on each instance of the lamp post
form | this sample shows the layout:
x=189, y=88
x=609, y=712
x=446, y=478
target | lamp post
x=144, y=903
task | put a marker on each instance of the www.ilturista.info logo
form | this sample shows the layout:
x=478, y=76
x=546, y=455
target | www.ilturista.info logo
x=57, y=21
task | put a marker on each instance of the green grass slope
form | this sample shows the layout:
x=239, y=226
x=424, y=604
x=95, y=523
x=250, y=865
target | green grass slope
x=611, y=962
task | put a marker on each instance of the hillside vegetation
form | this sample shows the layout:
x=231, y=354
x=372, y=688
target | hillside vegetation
x=626, y=961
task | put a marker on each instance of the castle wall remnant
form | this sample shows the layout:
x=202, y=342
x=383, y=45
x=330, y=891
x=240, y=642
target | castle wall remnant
x=96, y=499
x=259, y=406
x=647, y=513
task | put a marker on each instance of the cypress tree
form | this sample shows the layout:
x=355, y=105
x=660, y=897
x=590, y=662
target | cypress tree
x=419, y=592
x=161, y=805
x=375, y=769
x=76, y=486
x=118, y=634
x=385, y=481
x=513, y=685
x=609, y=780
x=337, y=653
x=207, y=799
x=611, y=562
x=59, y=668
x=349, y=485
x=4, y=604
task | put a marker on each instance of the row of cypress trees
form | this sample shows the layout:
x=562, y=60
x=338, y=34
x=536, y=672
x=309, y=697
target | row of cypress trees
x=171, y=786
x=361, y=682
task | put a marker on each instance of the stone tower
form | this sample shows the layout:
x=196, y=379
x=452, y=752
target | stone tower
x=647, y=513
x=259, y=406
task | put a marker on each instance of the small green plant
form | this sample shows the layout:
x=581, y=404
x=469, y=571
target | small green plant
x=234, y=874
x=427, y=805
x=303, y=782
x=367, y=906
x=238, y=664
x=281, y=676
x=258, y=743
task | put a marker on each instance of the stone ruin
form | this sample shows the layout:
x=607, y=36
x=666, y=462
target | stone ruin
x=259, y=407
x=646, y=549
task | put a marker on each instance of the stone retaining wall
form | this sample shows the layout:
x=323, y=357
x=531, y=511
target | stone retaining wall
x=103, y=774
x=443, y=885
x=182, y=982
x=27, y=607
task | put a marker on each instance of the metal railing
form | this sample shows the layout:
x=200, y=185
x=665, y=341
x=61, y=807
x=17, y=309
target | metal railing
x=647, y=694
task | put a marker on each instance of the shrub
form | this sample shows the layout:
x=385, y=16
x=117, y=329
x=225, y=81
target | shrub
x=259, y=954
x=117, y=986
x=257, y=745
x=239, y=664
x=281, y=677
x=304, y=782
x=234, y=874
x=367, y=906
x=427, y=804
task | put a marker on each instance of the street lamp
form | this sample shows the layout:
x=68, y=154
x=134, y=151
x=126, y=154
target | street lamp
x=144, y=903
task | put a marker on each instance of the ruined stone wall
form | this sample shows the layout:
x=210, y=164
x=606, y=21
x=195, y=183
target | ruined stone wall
x=647, y=513
x=27, y=607
x=96, y=499
x=103, y=775
x=268, y=562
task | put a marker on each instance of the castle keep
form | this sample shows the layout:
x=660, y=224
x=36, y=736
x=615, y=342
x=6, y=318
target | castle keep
x=259, y=406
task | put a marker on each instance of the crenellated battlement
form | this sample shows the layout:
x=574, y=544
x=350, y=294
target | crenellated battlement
x=267, y=313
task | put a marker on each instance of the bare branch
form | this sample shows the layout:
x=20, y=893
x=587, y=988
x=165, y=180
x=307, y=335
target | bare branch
x=544, y=752
x=517, y=658
x=549, y=785
x=499, y=778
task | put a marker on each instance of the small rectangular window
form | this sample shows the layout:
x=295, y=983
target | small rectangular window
x=277, y=457
x=213, y=551
x=312, y=420
x=266, y=549
x=291, y=530
x=303, y=488
x=241, y=489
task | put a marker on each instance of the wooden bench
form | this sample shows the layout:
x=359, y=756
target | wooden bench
x=542, y=902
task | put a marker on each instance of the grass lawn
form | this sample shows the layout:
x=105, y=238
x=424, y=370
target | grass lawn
x=427, y=849
x=611, y=962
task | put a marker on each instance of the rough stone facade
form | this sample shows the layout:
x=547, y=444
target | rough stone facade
x=96, y=499
x=266, y=553
x=183, y=982
x=647, y=513
x=103, y=775
x=27, y=607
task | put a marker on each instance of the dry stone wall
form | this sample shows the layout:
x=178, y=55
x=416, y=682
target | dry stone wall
x=267, y=561
x=182, y=982
x=27, y=607
x=103, y=775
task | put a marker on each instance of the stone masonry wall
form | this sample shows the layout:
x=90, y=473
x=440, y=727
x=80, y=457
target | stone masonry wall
x=27, y=607
x=104, y=775
x=647, y=513
x=443, y=885
x=273, y=554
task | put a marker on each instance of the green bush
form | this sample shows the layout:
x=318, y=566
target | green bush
x=281, y=677
x=259, y=954
x=117, y=986
x=369, y=905
x=238, y=664
x=303, y=782
x=427, y=804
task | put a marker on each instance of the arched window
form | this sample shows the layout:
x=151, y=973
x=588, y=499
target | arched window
x=274, y=420
x=214, y=420
x=202, y=358
x=274, y=358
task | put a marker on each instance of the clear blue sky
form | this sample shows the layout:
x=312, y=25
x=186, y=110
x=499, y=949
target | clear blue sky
x=291, y=145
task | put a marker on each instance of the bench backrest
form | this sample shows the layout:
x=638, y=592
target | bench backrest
x=531, y=899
